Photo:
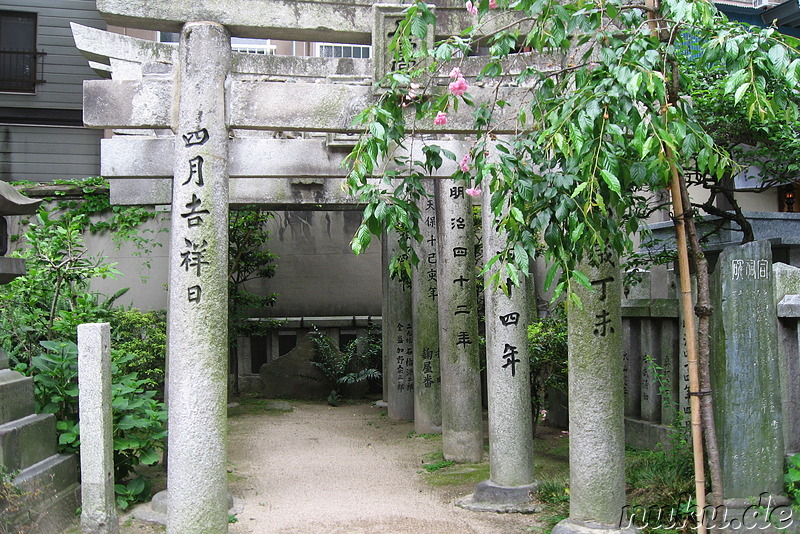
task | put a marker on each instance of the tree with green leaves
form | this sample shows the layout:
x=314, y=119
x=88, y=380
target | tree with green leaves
x=602, y=121
x=248, y=259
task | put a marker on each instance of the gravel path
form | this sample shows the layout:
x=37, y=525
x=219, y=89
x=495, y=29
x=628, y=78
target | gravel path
x=343, y=470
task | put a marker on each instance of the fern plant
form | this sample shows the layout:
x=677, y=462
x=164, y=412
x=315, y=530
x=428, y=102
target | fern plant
x=343, y=368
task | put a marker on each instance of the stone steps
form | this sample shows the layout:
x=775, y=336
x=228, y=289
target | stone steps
x=27, y=441
x=48, y=480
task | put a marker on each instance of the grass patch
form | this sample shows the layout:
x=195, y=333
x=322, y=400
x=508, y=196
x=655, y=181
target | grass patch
x=441, y=472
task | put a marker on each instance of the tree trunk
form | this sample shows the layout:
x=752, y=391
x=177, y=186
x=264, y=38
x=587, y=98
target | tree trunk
x=703, y=311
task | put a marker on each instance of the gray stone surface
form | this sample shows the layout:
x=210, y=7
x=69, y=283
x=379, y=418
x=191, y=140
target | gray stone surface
x=198, y=288
x=293, y=376
x=98, y=507
x=511, y=458
x=16, y=396
x=26, y=441
x=462, y=420
x=3, y=360
x=491, y=497
x=10, y=268
x=156, y=511
x=596, y=405
x=398, y=339
x=747, y=403
x=671, y=369
x=348, y=21
x=787, y=295
x=632, y=367
x=650, y=397
x=53, y=493
x=261, y=105
x=424, y=302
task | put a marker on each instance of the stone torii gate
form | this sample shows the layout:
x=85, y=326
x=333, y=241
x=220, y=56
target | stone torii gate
x=187, y=119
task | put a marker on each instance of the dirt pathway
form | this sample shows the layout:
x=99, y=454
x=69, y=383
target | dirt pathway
x=343, y=470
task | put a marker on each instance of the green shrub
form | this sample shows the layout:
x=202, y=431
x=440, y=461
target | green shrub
x=792, y=478
x=138, y=418
x=547, y=343
x=347, y=367
x=143, y=336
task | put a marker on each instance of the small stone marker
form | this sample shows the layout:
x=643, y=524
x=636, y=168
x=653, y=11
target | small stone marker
x=198, y=288
x=787, y=295
x=424, y=302
x=509, y=391
x=596, y=406
x=98, y=508
x=398, y=339
x=462, y=418
x=747, y=402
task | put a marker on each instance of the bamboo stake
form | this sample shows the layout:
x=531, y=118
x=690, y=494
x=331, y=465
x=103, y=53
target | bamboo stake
x=691, y=347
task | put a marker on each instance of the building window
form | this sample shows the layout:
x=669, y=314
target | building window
x=20, y=63
x=337, y=50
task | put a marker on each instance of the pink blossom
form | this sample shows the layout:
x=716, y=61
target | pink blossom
x=441, y=118
x=456, y=73
x=471, y=8
x=465, y=163
x=492, y=4
x=459, y=87
x=473, y=191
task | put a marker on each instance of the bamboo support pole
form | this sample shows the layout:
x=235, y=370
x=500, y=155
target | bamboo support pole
x=691, y=347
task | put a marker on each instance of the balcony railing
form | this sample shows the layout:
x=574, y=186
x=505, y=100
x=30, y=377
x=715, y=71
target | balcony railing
x=21, y=70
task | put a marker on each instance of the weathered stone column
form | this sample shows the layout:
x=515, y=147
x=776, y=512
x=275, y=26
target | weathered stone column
x=98, y=507
x=508, y=388
x=596, y=406
x=747, y=401
x=424, y=302
x=398, y=344
x=462, y=419
x=198, y=288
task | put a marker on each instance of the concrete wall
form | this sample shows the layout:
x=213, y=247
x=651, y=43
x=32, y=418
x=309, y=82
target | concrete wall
x=317, y=273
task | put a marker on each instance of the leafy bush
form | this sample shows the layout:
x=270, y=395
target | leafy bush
x=143, y=336
x=41, y=311
x=347, y=367
x=792, y=478
x=52, y=298
x=547, y=343
x=138, y=418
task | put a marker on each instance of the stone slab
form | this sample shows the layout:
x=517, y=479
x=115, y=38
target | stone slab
x=747, y=400
x=789, y=306
x=149, y=157
x=263, y=105
x=52, y=475
x=346, y=21
x=16, y=396
x=128, y=103
x=27, y=441
x=645, y=434
x=11, y=268
x=292, y=375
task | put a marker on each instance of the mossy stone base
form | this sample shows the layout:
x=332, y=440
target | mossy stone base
x=569, y=526
x=491, y=497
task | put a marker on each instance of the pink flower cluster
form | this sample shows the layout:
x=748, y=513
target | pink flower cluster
x=459, y=85
x=465, y=163
x=472, y=9
x=441, y=118
x=474, y=191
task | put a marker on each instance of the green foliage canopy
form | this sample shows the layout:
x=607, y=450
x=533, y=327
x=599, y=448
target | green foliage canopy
x=601, y=118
